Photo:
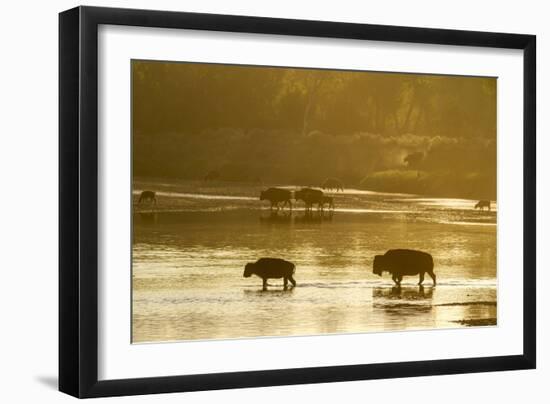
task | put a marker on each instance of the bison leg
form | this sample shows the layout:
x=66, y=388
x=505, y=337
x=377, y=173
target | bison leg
x=285, y=283
x=264, y=284
x=432, y=275
x=394, y=278
x=291, y=279
x=399, y=279
x=421, y=279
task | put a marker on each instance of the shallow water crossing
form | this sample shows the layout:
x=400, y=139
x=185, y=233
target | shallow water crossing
x=189, y=253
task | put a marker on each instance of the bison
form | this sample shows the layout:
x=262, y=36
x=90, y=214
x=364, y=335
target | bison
x=276, y=196
x=329, y=200
x=149, y=196
x=333, y=183
x=310, y=197
x=404, y=262
x=269, y=268
x=483, y=204
x=414, y=160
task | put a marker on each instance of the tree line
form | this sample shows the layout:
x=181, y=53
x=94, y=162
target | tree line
x=396, y=132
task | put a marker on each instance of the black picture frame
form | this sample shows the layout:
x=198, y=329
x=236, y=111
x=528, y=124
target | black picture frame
x=78, y=201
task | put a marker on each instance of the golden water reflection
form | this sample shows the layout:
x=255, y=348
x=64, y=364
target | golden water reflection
x=188, y=284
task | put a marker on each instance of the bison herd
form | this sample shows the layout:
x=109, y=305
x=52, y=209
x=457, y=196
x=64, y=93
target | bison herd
x=398, y=263
x=279, y=198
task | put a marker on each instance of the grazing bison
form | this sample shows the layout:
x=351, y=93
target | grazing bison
x=483, y=204
x=276, y=196
x=310, y=197
x=333, y=183
x=404, y=262
x=148, y=196
x=269, y=268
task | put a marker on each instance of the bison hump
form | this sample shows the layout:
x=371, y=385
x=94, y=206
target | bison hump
x=405, y=251
x=406, y=254
x=271, y=261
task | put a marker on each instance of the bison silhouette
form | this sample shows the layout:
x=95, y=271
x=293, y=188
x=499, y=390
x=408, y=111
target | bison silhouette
x=329, y=200
x=333, y=183
x=271, y=268
x=483, y=204
x=310, y=197
x=277, y=195
x=148, y=196
x=414, y=160
x=404, y=262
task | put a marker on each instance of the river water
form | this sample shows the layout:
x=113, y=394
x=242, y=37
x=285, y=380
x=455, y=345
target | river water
x=189, y=252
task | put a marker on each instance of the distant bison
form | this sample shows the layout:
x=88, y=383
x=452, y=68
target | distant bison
x=277, y=195
x=148, y=196
x=404, y=262
x=310, y=197
x=414, y=160
x=269, y=268
x=333, y=183
x=483, y=204
x=328, y=200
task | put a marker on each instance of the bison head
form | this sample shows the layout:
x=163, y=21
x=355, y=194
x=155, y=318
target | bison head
x=262, y=196
x=248, y=270
x=377, y=266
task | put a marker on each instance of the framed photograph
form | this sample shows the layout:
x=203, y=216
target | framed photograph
x=250, y=201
